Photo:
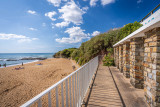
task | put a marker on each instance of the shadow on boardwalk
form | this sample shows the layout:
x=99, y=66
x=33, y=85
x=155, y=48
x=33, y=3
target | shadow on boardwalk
x=105, y=93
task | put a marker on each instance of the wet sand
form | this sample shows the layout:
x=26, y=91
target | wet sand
x=20, y=85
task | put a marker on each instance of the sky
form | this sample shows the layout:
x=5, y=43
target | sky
x=48, y=26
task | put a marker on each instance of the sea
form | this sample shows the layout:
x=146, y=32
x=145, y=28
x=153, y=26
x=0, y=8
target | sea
x=11, y=59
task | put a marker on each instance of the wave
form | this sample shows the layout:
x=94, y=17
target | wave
x=25, y=58
x=14, y=64
x=3, y=59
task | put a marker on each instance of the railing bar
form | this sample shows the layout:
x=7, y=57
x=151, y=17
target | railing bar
x=85, y=80
x=80, y=84
x=39, y=103
x=73, y=88
x=49, y=99
x=75, y=92
x=57, y=102
x=62, y=97
x=67, y=93
x=83, y=83
x=70, y=92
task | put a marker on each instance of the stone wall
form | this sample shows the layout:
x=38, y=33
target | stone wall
x=139, y=60
x=136, y=62
x=152, y=67
x=121, y=58
x=126, y=60
x=117, y=56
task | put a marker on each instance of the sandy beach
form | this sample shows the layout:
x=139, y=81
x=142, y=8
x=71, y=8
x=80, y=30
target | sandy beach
x=20, y=85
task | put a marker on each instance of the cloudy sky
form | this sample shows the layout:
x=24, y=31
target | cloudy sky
x=45, y=26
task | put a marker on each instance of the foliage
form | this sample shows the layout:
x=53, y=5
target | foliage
x=66, y=53
x=100, y=44
x=108, y=58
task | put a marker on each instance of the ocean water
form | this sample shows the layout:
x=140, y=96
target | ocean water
x=16, y=57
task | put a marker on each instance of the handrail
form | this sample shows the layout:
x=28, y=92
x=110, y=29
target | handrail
x=150, y=13
x=150, y=22
x=81, y=79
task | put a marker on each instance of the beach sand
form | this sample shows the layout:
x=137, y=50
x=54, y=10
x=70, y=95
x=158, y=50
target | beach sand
x=19, y=86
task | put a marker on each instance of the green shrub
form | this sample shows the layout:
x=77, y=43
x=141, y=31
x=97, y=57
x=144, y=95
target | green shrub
x=108, y=60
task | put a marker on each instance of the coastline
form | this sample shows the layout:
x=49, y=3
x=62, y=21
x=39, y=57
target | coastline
x=20, y=63
x=13, y=59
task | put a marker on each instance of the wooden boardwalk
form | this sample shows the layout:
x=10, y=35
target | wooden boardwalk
x=105, y=93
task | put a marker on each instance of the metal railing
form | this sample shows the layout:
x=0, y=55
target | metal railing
x=70, y=91
x=150, y=13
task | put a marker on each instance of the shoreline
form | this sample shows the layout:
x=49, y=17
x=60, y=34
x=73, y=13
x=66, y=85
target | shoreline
x=20, y=64
x=23, y=63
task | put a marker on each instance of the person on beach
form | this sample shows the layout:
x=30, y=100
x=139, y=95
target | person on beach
x=22, y=63
x=4, y=65
x=0, y=65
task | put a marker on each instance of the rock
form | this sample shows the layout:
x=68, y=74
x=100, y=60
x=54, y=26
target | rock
x=11, y=60
x=30, y=58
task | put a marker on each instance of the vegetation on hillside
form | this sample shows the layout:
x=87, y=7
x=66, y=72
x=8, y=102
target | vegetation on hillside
x=66, y=53
x=108, y=58
x=99, y=45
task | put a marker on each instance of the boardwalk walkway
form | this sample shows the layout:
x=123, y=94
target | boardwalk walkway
x=105, y=94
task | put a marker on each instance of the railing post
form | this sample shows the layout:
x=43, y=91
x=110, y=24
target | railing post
x=57, y=102
x=70, y=92
x=62, y=96
x=49, y=99
x=39, y=103
x=75, y=92
x=73, y=89
x=66, y=92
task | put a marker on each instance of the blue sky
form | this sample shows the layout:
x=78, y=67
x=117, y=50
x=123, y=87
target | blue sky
x=47, y=26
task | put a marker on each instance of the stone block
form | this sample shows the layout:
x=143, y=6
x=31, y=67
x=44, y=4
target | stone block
x=153, y=44
x=148, y=40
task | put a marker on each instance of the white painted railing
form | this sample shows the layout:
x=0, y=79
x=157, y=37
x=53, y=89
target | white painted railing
x=75, y=85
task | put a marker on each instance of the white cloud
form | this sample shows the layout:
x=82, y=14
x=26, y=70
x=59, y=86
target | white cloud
x=105, y=2
x=31, y=12
x=139, y=1
x=85, y=8
x=76, y=34
x=20, y=38
x=95, y=33
x=27, y=40
x=56, y=3
x=71, y=13
x=50, y=15
x=33, y=29
x=93, y=2
x=62, y=24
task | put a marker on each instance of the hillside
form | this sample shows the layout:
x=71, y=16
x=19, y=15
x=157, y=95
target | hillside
x=99, y=45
